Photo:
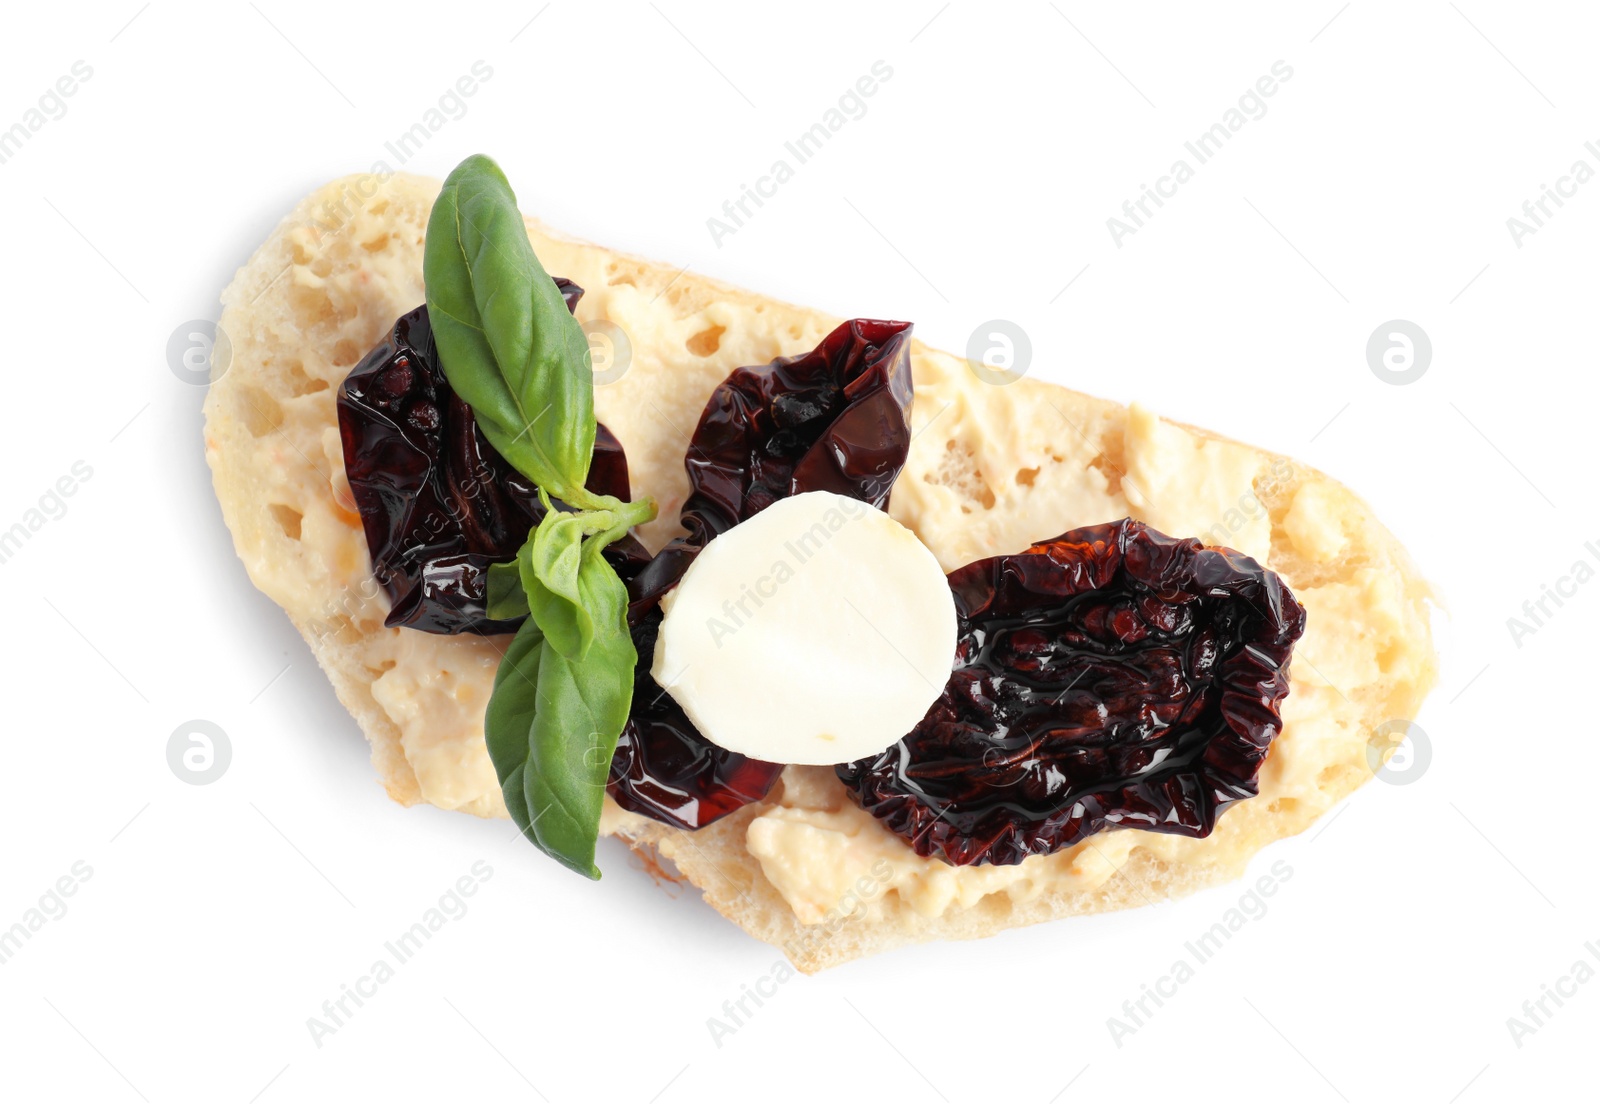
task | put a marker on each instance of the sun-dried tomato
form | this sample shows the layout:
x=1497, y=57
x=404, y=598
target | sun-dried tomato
x=1111, y=677
x=837, y=419
x=438, y=504
x=664, y=768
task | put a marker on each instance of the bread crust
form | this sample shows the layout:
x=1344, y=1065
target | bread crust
x=329, y=282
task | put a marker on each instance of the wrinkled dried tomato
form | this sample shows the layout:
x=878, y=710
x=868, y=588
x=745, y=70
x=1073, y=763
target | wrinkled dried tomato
x=1111, y=677
x=664, y=768
x=438, y=504
x=836, y=419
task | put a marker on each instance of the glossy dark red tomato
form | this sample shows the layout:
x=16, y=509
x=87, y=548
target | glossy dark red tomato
x=1111, y=677
x=837, y=419
x=438, y=504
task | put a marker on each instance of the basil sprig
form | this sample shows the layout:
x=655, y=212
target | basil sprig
x=511, y=350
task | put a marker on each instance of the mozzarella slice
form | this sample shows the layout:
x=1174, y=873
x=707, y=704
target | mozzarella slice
x=816, y=632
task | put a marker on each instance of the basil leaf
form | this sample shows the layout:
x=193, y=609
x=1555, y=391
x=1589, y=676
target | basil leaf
x=582, y=706
x=505, y=598
x=557, y=551
x=507, y=343
x=509, y=720
x=549, y=565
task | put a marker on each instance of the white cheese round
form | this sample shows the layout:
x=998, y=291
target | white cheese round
x=816, y=632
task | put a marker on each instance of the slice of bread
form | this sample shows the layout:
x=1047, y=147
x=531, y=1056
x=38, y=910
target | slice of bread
x=992, y=468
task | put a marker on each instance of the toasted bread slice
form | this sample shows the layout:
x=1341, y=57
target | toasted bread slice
x=992, y=468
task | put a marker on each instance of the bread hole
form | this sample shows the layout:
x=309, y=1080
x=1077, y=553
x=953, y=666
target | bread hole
x=794, y=330
x=958, y=471
x=1389, y=654
x=350, y=631
x=707, y=342
x=376, y=671
x=1331, y=775
x=297, y=253
x=288, y=519
x=311, y=306
x=346, y=353
x=997, y=905
x=376, y=242
x=378, y=207
x=1111, y=471
x=302, y=383
x=262, y=414
x=342, y=630
x=322, y=266
x=1026, y=477
x=1284, y=805
x=615, y=276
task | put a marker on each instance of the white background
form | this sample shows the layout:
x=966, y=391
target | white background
x=218, y=919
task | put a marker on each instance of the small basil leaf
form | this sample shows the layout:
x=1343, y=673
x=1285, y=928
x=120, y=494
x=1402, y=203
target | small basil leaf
x=549, y=567
x=505, y=598
x=557, y=552
x=507, y=343
x=582, y=708
x=509, y=720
